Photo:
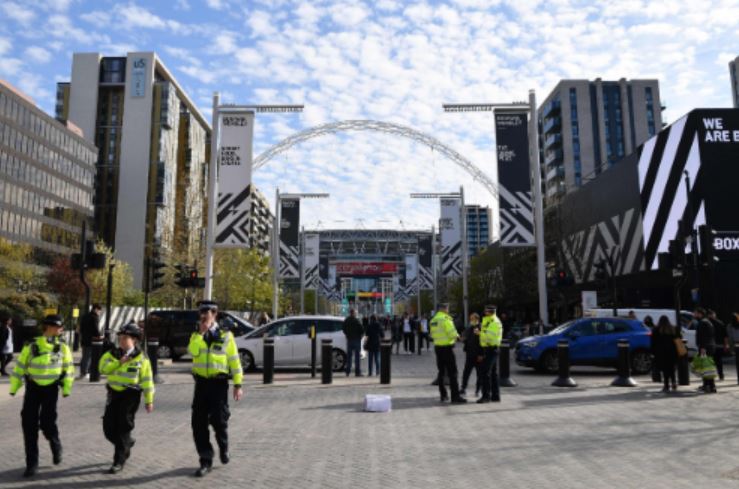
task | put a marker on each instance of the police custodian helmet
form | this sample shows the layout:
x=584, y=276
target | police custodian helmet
x=130, y=329
x=53, y=320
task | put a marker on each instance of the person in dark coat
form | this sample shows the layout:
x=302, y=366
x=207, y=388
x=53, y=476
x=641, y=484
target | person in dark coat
x=89, y=329
x=721, y=338
x=665, y=352
x=6, y=342
x=704, y=338
x=473, y=353
x=354, y=333
x=374, y=335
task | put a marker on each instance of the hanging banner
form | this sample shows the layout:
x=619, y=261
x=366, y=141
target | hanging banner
x=234, y=179
x=310, y=255
x=514, y=179
x=450, y=228
x=425, y=259
x=289, y=238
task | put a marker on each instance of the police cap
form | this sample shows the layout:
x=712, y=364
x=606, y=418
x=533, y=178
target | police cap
x=207, y=306
x=443, y=305
x=130, y=329
x=490, y=308
x=53, y=320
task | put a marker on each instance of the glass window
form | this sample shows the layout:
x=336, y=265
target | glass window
x=585, y=328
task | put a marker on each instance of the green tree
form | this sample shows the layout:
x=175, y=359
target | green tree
x=17, y=270
x=242, y=279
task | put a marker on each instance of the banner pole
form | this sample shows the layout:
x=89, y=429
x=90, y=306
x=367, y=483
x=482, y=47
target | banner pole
x=538, y=210
x=463, y=230
x=302, y=270
x=276, y=256
x=212, y=197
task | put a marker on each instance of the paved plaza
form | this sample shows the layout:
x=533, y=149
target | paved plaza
x=300, y=434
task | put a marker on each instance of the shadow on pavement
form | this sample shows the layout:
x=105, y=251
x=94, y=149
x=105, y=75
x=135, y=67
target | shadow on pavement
x=638, y=395
x=398, y=404
x=55, y=478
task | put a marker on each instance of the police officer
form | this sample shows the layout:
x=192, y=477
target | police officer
x=129, y=375
x=491, y=335
x=215, y=359
x=444, y=335
x=45, y=364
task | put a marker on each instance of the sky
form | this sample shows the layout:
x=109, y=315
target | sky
x=383, y=60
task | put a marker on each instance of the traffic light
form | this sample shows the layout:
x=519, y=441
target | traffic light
x=706, y=236
x=561, y=279
x=188, y=278
x=92, y=259
x=155, y=272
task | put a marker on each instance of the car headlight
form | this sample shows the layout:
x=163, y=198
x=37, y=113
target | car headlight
x=530, y=344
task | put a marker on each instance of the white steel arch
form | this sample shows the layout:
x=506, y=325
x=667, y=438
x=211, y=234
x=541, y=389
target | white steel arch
x=385, y=127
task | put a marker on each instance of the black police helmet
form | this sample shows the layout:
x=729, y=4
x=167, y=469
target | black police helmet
x=53, y=320
x=131, y=330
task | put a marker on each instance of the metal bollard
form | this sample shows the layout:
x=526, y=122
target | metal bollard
x=152, y=350
x=563, y=361
x=683, y=368
x=623, y=379
x=736, y=358
x=327, y=360
x=312, y=334
x=268, y=354
x=505, y=365
x=386, y=349
x=96, y=352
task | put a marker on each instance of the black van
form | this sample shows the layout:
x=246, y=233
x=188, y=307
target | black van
x=173, y=329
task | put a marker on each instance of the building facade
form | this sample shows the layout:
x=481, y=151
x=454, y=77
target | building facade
x=154, y=147
x=47, y=172
x=479, y=226
x=261, y=222
x=734, y=74
x=587, y=126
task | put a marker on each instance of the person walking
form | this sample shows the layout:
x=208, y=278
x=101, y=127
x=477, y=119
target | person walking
x=721, y=339
x=397, y=332
x=425, y=332
x=45, y=365
x=407, y=334
x=354, y=332
x=444, y=336
x=215, y=359
x=374, y=337
x=473, y=353
x=89, y=330
x=665, y=352
x=129, y=375
x=704, y=338
x=6, y=342
x=491, y=335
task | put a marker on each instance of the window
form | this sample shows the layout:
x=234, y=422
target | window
x=288, y=328
x=585, y=328
x=328, y=326
x=611, y=327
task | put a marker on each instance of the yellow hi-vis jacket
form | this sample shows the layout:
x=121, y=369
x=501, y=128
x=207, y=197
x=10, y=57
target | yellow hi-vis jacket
x=491, y=332
x=443, y=332
x=45, y=362
x=219, y=360
x=134, y=374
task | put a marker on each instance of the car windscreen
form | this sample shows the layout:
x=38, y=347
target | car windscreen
x=561, y=328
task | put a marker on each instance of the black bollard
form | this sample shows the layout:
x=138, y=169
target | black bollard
x=152, y=350
x=386, y=349
x=505, y=365
x=623, y=379
x=327, y=360
x=96, y=352
x=683, y=368
x=736, y=358
x=563, y=360
x=312, y=334
x=268, y=368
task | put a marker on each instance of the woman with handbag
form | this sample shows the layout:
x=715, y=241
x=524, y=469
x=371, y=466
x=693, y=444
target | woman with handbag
x=664, y=336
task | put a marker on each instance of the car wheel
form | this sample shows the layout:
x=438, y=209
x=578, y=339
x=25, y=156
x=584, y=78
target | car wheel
x=549, y=362
x=339, y=360
x=641, y=362
x=247, y=360
x=164, y=351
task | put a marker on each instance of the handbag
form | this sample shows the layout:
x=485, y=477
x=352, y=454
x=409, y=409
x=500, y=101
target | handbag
x=680, y=347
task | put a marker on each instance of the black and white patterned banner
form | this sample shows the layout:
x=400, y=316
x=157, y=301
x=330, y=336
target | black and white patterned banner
x=450, y=228
x=289, y=238
x=311, y=259
x=425, y=261
x=234, y=218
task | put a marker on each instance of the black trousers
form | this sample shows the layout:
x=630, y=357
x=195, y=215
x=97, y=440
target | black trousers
x=210, y=407
x=446, y=363
x=39, y=409
x=718, y=359
x=118, y=421
x=489, y=377
x=668, y=374
x=470, y=363
x=5, y=359
x=408, y=342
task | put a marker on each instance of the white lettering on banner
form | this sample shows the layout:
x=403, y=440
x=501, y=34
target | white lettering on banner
x=726, y=244
x=715, y=132
x=288, y=203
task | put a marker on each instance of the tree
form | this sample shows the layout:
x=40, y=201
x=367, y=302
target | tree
x=242, y=279
x=17, y=270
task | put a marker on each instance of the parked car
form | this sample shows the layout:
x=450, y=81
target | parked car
x=593, y=341
x=173, y=329
x=292, y=343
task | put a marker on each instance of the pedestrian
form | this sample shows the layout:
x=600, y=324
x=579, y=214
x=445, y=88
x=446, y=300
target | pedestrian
x=397, y=332
x=374, y=337
x=631, y=315
x=473, y=353
x=445, y=335
x=704, y=338
x=215, y=359
x=89, y=330
x=6, y=342
x=354, y=332
x=45, y=364
x=491, y=335
x=721, y=339
x=407, y=334
x=263, y=319
x=418, y=328
x=129, y=375
x=734, y=327
x=425, y=332
x=665, y=352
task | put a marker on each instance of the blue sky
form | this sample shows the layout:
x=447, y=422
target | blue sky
x=383, y=60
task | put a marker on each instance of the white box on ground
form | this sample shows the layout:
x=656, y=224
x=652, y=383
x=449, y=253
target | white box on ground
x=377, y=403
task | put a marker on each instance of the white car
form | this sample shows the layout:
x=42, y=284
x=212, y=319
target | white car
x=292, y=344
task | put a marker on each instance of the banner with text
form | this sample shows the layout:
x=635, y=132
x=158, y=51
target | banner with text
x=234, y=179
x=411, y=274
x=289, y=238
x=311, y=263
x=425, y=261
x=514, y=179
x=450, y=228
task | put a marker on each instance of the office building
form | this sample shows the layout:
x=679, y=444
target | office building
x=151, y=184
x=734, y=74
x=260, y=222
x=587, y=126
x=47, y=171
x=479, y=226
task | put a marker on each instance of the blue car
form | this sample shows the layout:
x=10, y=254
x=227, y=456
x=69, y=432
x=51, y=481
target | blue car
x=593, y=342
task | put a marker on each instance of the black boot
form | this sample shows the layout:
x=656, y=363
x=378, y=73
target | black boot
x=56, y=451
x=205, y=467
x=30, y=471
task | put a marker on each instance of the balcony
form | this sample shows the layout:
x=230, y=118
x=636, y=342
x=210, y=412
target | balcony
x=551, y=108
x=552, y=156
x=553, y=140
x=556, y=172
x=552, y=124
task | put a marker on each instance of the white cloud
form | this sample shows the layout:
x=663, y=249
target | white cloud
x=5, y=45
x=17, y=12
x=97, y=17
x=38, y=54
